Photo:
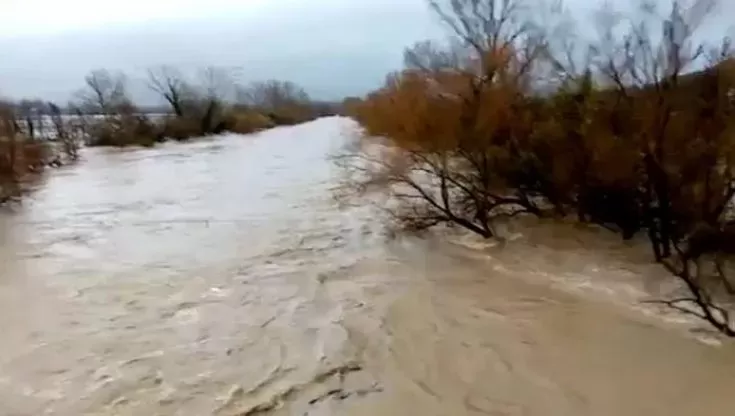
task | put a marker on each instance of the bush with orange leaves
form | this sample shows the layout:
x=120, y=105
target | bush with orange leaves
x=460, y=122
x=444, y=166
x=642, y=139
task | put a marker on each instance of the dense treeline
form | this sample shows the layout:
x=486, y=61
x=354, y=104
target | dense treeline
x=35, y=133
x=633, y=132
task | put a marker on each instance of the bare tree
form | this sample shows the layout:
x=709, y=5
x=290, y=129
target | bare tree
x=215, y=88
x=64, y=132
x=121, y=124
x=701, y=299
x=170, y=84
x=216, y=83
x=105, y=93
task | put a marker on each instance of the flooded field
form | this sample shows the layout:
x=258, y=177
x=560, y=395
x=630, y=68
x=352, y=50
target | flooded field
x=222, y=278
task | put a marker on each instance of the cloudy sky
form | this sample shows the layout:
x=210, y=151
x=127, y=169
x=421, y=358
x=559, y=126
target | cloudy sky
x=331, y=47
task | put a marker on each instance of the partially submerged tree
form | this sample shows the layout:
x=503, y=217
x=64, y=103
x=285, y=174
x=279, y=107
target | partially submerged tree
x=109, y=114
x=171, y=85
x=634, y=133
x=65, y=131
x=458, y=118
x=646, y=65
x=105, y=93
x=217, y=85
x=671, y=99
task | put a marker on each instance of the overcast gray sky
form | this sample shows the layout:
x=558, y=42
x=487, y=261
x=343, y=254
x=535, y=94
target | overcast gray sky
x=331, y=47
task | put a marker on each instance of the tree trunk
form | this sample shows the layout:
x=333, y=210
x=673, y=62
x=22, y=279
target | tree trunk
x=178, y=110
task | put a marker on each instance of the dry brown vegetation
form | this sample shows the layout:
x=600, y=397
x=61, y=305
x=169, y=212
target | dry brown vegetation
x=20, y=154
x=633, y=131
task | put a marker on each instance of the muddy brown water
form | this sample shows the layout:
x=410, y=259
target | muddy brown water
x=222, y=278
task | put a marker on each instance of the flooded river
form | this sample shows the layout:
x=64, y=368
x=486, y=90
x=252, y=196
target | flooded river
x=222, y=278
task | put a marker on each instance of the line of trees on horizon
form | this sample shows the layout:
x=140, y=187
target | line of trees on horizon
x=212, y=95
x=35, y=133
x=633, y=131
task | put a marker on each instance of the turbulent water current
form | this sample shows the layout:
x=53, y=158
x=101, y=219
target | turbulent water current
x=221, y=277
